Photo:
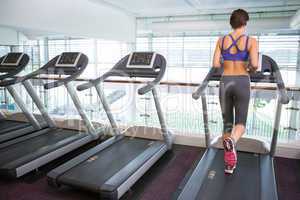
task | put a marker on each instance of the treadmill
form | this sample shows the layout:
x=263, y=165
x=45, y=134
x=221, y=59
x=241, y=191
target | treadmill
x=10, y=65
x=254, y=177
x=27, y=153
x=112, y=167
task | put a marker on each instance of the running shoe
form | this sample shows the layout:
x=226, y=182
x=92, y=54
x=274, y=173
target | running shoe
x=230, y=155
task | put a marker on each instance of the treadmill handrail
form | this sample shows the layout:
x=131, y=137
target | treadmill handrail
x=94, y=82
x=43, y=70
x=201, y=88
x=19, y=79
x=282, y=92
x=150, y=85
x=61, y=82
x=13, y=80
x=143, y=90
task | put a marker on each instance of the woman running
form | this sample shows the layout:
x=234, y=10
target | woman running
x=237, y=50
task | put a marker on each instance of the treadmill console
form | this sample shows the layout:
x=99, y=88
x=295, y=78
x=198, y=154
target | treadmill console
x=68, y=59
x=12, y=63
x=12, y=59
x=141, y=60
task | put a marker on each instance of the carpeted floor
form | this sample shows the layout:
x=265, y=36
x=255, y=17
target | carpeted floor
x=160, y=183
x=288, y=178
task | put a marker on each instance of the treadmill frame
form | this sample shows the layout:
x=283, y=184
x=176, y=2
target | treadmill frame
x=149, y=157
x=91, y=135
x=33, y=124
x=127, y=176
x=267, y=174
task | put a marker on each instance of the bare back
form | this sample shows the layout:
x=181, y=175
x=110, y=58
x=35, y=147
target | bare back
x=236, y=67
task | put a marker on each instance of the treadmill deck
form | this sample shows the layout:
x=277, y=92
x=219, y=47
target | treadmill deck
x=244, y=184
x=93, y=172
x=9, y=125
x=22, y=152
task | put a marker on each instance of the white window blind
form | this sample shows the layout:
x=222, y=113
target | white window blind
x=283, y=49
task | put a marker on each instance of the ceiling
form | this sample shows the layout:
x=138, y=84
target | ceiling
x=146, y=8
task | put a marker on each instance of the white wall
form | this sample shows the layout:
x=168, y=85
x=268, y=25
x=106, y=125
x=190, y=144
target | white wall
x=81, y=18
x=208, y=26
x=8, y=36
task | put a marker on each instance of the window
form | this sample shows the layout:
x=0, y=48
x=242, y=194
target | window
x=142, y=44
x=283, y=49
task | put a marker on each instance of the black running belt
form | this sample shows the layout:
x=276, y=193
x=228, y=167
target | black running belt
x=244, y=184
x=34, y=147
x=95, y=171
x=8, y=125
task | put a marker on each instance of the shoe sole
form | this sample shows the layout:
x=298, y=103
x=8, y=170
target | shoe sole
x=229, y=171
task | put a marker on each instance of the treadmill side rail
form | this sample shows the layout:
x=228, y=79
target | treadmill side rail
x=44, y=159
x=40, y=152
x=24, y=137
x=268, y=182
x=127, y=176
x=8, y=134
x=192, y=187
x=55, y=174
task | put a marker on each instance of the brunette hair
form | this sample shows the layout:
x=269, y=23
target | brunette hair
x=239, y=18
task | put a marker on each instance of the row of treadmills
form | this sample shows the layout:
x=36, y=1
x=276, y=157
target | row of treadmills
x=112, y=167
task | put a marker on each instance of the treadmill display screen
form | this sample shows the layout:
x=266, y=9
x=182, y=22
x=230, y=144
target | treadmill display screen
x=68, y=59
x=141, y=60
x=12, y=59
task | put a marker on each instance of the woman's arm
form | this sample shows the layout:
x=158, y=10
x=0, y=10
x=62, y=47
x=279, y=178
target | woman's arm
x=217, y=55
x=253, y=52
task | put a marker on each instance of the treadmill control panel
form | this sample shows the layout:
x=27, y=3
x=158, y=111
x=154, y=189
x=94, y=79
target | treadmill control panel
x=68, y=59
x=12, y=59
x=141, y=60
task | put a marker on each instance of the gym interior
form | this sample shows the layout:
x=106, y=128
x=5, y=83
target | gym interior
x=110, y=99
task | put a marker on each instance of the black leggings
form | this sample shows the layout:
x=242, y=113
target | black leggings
x=234, y=95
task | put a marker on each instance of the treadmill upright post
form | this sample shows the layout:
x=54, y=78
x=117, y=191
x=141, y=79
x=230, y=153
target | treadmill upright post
x=107, y=109
x=205, y=120
x=79, y=108
x=276, y=128
x=28, y=86
x=166, y=133
x=23, y=107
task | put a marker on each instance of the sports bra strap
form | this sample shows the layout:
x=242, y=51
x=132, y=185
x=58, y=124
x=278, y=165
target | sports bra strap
x=246, y=48
x=233, y=41
x=222, y=47
x=239, y=38
x=241, y=55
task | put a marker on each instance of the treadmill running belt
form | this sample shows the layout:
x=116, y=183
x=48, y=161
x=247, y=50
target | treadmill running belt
x=39, y=144
x=244, y=184
x=95, y=171
x=8, y=125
